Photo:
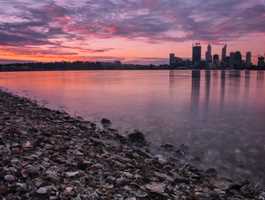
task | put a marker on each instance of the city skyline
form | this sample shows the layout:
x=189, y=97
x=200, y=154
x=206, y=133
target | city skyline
x=224, y=59
x=133, y=31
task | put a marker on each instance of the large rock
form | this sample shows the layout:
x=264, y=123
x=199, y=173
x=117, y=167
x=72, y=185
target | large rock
x=156, y=187
x=105, y=123
x=137, y=138
x=43, y=190
x=10, y=178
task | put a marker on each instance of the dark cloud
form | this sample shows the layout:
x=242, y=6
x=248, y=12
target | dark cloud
x=48, y=22
x=159, y=19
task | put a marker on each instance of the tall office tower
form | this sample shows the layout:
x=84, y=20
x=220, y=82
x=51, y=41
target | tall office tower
x=261, y=61
x=248, y=59
x=172, y=59
x=196, y=54
x=232, y=59
x=216, y=62
x=237, y=59
x=208, y=55
x=224, y=50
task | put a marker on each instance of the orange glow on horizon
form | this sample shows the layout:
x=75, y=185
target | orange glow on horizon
x=122, y=49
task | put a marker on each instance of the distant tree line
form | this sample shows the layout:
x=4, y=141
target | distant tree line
x=78, y=65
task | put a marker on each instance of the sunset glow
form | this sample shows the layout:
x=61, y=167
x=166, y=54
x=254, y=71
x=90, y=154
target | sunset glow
x=133, y=31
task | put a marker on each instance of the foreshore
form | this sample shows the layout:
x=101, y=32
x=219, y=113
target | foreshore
x=47, y=154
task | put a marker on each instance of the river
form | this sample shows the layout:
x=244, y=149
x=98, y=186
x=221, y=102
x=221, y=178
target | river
x=219, y=115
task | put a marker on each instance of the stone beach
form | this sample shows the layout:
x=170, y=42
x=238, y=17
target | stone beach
x=48, y=154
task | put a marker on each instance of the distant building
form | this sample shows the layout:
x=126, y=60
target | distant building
x=172, y=59
x=177, y=62
x=248, y=59
x=224, y=50
x=261, y=61
x=232, y=59
x=208, y=55
x=236, y=59
x=216, y=61
x=196, y=54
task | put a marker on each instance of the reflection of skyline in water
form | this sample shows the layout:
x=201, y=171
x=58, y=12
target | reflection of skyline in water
x=233, y=152
x=201, y=97
x=221, y=86
x=223, y=82
x=260, y=79
x=218, y=114
x=195, y=90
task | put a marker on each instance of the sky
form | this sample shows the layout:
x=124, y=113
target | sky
x=132, y=31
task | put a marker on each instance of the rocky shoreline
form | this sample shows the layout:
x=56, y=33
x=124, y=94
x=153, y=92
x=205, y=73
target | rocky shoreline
x=48, y=154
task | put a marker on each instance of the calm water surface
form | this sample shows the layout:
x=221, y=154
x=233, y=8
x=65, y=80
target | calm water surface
x=220, y=115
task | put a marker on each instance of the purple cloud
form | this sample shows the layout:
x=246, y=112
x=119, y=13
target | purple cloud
x=48, y=22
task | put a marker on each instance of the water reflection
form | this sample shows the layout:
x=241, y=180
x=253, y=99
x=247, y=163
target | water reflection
x=260, y=78
x=195, y=90
x=207, y=89
x=223, y=86
x=247, y=83
x=218, y=114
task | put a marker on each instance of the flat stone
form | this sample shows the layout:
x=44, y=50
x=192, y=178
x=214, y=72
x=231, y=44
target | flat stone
x=71, y=174
x=27, y=145
x=10, y=178
x=105, y=122
x=42, y=190
x=137, y=138
x=156, y=187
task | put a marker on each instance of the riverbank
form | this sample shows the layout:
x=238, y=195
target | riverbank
x=48, y=154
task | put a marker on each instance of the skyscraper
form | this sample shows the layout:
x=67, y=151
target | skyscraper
x=208, y=55
x=261, y=61
x=248, y=59
x=237, y=59
x=196, y=54
x=224, y=50
x=172, y=59
x=216, y=60
x=232, y=59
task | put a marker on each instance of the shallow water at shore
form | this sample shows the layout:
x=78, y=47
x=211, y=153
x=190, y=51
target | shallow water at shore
x=218, y=114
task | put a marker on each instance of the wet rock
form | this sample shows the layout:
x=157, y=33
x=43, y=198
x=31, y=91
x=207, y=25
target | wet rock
x=156, y=187
x=69, y=190
x=137, y=138
x=182, y=151
x=211, y=172
x=105, y=122
x=78, y=153
x=52, y=176
x=27, y=145
x=3, y=189
x=261, y=196
x=72, y=174
x=42, y=190
x=131, y=198
x=222, y=184
x=32, y=171
x=84, y=164
x=164, y=176
x=22, y=187
x=10, y=178
x=161, y=159
x=127, y=175
x=168, y=147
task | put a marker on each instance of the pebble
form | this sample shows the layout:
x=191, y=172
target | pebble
x=40, y=147
x=156, y=187
x=42, y=190
x=71, y=174
x=10, y=178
